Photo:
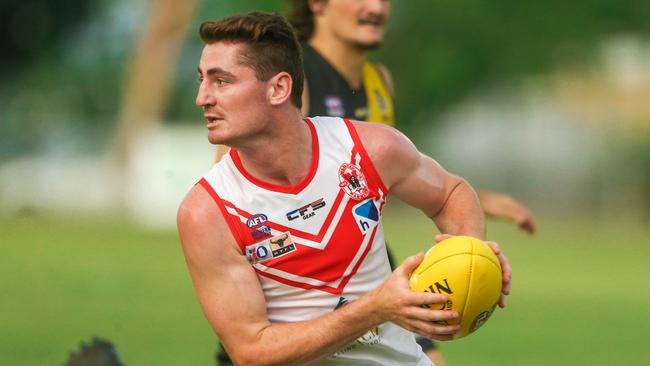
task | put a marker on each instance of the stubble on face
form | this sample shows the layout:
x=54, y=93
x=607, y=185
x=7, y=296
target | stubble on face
x=233, y=99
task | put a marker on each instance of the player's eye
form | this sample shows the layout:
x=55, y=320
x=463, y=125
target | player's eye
x=221, y=82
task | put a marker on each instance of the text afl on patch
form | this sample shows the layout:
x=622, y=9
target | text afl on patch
x=256, y=221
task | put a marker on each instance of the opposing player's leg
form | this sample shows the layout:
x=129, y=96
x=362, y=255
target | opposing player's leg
x=99, y=352
x=430, y=348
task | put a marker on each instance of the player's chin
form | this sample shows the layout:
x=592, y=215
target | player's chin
x=216, y=138
x=370, y=44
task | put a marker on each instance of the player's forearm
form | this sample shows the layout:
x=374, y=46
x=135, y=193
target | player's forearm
x=303, y=342
x=462, y=213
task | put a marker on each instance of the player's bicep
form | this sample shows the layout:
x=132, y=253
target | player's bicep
x=425, y=186
x=409, y=175
x=227, y=286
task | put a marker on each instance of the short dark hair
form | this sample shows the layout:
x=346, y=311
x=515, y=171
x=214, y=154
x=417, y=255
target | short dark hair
x=301, y=18
x=271, y=45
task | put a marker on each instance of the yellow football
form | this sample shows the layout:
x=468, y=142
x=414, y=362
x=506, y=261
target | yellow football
x=468, y=272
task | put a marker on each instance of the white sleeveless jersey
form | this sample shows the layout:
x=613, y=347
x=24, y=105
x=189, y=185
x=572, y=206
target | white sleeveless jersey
x=320, y=244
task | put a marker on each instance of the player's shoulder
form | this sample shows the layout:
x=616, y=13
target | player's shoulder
x=386, y=146
x=200, y=222
x=381, y=134
x=197, y=209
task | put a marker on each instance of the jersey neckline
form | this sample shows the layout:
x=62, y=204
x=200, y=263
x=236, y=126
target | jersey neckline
x=295, y=189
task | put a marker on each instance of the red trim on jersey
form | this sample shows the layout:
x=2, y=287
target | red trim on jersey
x=235, y=229
x=332, y=290
x=279, y=188
x=298, y=233
x=369, y=166
x=328, y=264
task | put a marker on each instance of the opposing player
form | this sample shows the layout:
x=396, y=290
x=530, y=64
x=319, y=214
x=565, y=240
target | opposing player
x=283, y=236
x=337, y=36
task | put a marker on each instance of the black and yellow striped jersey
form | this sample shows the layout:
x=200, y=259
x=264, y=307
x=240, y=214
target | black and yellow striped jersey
x=331, y=95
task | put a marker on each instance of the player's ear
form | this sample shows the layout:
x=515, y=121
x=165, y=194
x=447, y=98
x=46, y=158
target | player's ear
x=279, y=88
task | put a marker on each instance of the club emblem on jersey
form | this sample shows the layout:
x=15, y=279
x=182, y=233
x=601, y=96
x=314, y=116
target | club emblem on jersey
x=271, y=248
x=334, y=106
x=366, y=215
x=353, y=182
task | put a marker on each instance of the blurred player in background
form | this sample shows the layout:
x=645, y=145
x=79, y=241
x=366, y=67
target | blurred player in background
x=274, y=292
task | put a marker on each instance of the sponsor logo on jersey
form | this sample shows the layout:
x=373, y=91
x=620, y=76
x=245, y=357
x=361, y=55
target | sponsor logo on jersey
x=257, y=225
x=334, y=106
x=261, y=232
x=270, y=248
x=342, y=302
x=366, y=215
x=370, y=337
x=306, y=211
x=353, y=182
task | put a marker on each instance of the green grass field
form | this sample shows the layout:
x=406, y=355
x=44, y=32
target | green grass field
x=581, y=293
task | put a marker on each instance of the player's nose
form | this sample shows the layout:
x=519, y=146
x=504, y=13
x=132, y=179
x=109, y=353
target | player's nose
x=375, y=7
x=203, y=96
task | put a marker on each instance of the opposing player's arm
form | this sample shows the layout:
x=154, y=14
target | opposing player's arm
x=421, y=182
x=233, y=302
x=506, y=207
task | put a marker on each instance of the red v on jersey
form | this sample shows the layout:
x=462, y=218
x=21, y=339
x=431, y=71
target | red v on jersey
x=332, y=243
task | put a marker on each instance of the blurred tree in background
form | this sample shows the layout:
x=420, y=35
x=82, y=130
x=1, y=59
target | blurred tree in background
x=31, y=30
x=439, y=51
x=60, y=68
x=63, y=62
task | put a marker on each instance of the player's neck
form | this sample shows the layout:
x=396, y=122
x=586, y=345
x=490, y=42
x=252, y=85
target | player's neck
x=345, y=57
x=283, y=156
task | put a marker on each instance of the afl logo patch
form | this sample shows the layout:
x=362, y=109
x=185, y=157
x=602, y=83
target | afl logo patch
x=353, y=182
x=256, y=221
